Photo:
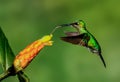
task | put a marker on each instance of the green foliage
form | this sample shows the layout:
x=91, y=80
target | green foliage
x=6, y=54
x=7, y=58
x=24, y=21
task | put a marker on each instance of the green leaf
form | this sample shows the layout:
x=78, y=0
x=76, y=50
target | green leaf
x=22, y=77
x=6, y=59
x=6, y=54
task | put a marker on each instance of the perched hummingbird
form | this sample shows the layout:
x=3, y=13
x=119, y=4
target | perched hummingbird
x=83, y=37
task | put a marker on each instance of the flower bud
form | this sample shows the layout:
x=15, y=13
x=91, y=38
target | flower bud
x=30, y=52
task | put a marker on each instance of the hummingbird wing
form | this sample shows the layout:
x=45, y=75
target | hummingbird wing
x=81, y=39
x=72, y=33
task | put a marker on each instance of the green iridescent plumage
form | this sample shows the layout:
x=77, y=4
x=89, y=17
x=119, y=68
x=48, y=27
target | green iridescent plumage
x=83, y=37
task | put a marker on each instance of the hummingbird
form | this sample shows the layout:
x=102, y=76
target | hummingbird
x=83, y=38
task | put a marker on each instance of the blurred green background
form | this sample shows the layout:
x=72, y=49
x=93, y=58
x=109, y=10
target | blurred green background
x=24, y=21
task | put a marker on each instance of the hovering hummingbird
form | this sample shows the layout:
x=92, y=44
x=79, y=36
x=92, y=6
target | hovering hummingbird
x=83, y=38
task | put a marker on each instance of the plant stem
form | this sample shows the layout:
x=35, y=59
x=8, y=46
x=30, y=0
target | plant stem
x=4, y=75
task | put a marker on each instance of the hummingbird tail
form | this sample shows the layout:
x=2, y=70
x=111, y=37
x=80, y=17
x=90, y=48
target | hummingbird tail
x=102, y=60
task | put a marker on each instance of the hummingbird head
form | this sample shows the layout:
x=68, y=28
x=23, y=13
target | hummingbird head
x=81, y=24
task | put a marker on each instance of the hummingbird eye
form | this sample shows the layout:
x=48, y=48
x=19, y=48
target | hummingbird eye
x=81, y=23
x=76, y=23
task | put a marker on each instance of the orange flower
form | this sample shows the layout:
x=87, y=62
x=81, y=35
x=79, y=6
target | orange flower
x=30, y=52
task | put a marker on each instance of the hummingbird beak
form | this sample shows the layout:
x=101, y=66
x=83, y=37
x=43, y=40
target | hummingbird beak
x=72, y=33
x=64, y=25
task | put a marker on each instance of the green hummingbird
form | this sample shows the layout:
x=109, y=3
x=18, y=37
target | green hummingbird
x=83, y=38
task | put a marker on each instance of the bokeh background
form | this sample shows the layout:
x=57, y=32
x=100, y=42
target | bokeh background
x=24, y=21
